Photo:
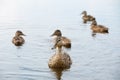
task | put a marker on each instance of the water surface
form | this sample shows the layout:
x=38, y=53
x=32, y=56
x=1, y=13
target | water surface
x=94, y=58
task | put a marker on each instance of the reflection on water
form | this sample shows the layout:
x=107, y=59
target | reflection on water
x=94, y=58
x=58, y=63
x=58, y=73
x=94, y=34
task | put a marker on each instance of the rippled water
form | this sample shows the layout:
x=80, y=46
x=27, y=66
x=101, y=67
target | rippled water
x=94, y=58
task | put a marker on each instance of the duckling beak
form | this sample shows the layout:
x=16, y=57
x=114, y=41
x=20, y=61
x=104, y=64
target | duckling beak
x=23, y=34
x=82, y=13
x=52, y=34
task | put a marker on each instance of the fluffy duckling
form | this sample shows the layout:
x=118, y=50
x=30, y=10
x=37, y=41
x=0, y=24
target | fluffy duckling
x=98, y=28
x=60, y=59
x=65, y=41
x=18, y=39
x=86, y=17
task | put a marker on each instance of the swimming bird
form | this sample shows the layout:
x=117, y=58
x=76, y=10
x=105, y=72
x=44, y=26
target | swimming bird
x=60, y=59
x=18, y=40
x=86, y=17
x=98, y=28
x=65, y=41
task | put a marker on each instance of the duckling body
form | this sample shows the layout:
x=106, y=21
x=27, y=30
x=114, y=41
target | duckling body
x=18, y=40
x=60, y=59
x=86, y=17
x=98, y=28
x=65, y=41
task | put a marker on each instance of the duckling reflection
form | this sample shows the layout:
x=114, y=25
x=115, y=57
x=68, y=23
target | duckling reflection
x=86, y=17
x=18, y=40
x=93, y=34
x=60, y=59
x=65, y=41
x=58, y=72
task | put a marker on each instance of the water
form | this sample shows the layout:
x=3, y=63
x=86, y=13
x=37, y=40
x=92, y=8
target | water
x=94, y=58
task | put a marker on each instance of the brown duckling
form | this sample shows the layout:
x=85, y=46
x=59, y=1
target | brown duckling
x=98, y=28
x=18, y=40
x=86, y=17
x=60, y=60
x=66, y=42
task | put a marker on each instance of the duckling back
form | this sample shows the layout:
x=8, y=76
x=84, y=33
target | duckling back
x=66, y=42
x=60, y=60
x=18, y=41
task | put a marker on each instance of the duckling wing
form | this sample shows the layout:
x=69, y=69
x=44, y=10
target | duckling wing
x=101, y=26
x=22, y=40
x=18, y=40
x=66, y=40
x=67, y=58
x=89, y=16
x=15, y=39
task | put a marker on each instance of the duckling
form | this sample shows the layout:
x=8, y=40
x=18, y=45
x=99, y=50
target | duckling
x=18, y=40
x=66, y=42
x=86, y=17
x=98, y=28
x=60, y=59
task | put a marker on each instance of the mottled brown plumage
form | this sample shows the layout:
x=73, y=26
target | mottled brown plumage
x=86, y=17
x=98, y=28
x=65, y=41
x=60, y=59
x=18, y=40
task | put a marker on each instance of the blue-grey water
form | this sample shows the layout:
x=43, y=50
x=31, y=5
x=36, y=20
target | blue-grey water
x=94, y=58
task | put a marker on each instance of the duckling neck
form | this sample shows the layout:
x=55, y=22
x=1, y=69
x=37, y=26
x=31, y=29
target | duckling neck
x=58, y=50
x=17, y=35
x=94, y=23
x=85, y=14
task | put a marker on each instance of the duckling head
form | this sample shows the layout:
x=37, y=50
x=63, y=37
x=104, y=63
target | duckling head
x=18, y=33
x=57, y=33
x=84, y=12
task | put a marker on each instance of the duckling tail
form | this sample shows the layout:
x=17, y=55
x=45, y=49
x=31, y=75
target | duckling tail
x=68, y=45
x=106, y=31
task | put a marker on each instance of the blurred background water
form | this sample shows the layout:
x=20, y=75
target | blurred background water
x=94, y=58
